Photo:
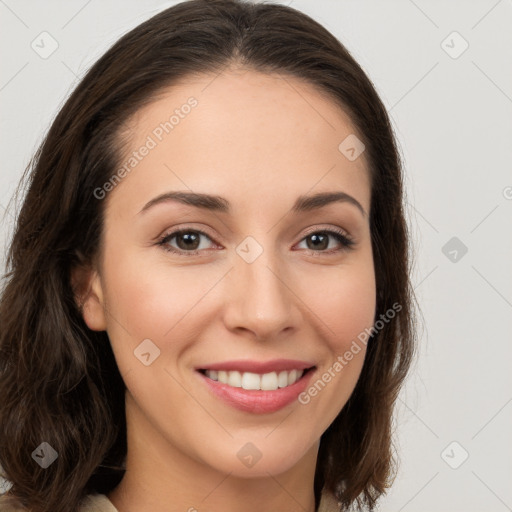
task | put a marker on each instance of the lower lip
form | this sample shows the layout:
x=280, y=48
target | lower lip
x=255, y=400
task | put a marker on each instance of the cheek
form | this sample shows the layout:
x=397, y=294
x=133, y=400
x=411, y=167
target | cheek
x=352, y=311
x=344, y=301
x=153, y=301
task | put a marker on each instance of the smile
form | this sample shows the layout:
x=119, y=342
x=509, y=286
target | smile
x=247, y=380
x=257, y=387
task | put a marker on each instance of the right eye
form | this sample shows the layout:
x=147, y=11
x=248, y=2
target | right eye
x=188, y=241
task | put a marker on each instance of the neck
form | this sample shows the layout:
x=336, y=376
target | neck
x=161, y=478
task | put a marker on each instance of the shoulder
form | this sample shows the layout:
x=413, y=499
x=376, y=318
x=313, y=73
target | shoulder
x=10, y=504
x=100, y=503
x=97, y=503
x=91, y=503
x=328, y=503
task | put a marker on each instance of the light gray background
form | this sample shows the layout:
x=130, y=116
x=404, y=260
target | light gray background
x=453, y=119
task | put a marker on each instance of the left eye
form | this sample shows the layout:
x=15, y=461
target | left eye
x=320, y=241
x=188, y=241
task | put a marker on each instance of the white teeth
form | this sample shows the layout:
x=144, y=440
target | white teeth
x=235, y=379
x=247, y=380
x=251, y=381
x=282, y=379
x=269, y=381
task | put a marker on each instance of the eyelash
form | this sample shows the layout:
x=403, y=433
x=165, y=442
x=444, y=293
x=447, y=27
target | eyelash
x=346, y=241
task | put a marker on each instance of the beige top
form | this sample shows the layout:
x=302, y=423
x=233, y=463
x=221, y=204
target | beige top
x=100, y=503
x=92, y=503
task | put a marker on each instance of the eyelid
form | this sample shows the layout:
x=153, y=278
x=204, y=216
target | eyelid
x=343, y=236
x=171, y=233
x=316, y=229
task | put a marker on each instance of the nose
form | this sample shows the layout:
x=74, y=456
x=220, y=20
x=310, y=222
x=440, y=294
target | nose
x=260, y=299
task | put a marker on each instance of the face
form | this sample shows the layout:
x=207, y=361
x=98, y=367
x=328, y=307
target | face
x=258, y=289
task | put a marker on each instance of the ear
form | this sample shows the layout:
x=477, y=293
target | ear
x=89, y=297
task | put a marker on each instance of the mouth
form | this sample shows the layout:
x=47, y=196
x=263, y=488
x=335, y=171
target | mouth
x=270, y=381
x=257, y=387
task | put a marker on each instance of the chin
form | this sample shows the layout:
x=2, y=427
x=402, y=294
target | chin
x=259, y=458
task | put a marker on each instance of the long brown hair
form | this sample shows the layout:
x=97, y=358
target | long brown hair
x=59, y=382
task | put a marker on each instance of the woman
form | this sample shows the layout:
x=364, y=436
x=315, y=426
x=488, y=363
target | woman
x=207, y=303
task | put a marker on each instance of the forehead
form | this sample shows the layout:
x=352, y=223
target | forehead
x=270, y=133
x=248, y=99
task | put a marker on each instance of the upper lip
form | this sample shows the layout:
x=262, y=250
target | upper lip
x=258, y=366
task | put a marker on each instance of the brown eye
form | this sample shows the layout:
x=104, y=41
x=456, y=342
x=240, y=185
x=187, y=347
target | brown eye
x=188, y=241
x=319, y=241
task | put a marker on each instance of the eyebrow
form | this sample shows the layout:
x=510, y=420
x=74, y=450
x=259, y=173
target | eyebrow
x=219, y=204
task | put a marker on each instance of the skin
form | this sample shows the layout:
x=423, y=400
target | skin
x=259, y=141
